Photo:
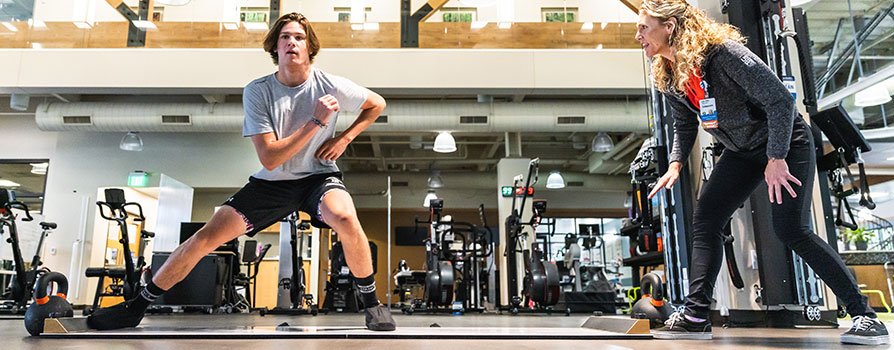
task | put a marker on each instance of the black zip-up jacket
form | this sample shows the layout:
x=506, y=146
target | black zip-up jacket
x=754, y=109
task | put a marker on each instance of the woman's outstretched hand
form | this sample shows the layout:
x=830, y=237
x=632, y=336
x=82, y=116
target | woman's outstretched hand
x=777, y=176
x=668, y=179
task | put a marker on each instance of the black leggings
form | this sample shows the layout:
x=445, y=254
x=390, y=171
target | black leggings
x=734, y=178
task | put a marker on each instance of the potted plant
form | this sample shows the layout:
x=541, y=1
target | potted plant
x=844, y=243
x=860, y=237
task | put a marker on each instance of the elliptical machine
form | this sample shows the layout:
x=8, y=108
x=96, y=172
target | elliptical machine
x=448, y=265
x=15, y=298
x=541, y=280
x=302, y=303
x=126, y=282
x=440, y=278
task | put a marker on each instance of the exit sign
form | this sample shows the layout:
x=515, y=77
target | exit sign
x=138, y=178
x=508, y=191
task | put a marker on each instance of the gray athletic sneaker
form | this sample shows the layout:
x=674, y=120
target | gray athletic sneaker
x=678, y=327
x=866, y=331
x=379, y=318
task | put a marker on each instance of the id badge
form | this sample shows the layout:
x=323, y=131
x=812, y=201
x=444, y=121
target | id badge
x=789, y=82
x=708, y=113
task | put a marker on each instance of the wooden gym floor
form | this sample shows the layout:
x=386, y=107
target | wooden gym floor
x=14, y=336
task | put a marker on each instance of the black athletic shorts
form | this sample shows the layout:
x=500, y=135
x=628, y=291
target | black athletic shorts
x=262, y=203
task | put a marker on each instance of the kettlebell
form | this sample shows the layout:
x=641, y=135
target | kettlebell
x=652, y=305
x=47, y=306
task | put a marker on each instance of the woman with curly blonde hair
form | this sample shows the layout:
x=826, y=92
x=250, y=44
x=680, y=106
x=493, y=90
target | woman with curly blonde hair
x=708, y=77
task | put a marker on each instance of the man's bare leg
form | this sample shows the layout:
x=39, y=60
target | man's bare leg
x=224, y=226
x=338, y=211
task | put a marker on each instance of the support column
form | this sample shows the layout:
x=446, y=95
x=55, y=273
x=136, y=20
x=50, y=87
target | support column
x=135, y=36
x=512, y=144
x=274, y=12
x=409, y=20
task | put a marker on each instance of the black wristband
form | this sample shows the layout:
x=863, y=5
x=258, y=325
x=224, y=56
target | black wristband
x=318, y=122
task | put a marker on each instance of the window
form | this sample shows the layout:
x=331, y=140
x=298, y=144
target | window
x=254, y=14
x=608, y=229
x=458, y=14
x=27, y=178
x=558, y=14
x=344, y=13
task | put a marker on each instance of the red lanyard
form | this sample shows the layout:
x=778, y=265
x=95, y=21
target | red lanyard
x=694, y=90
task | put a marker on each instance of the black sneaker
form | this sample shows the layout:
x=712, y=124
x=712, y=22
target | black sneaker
x=379, y=318
x=123, y=315
x=866, y=331
x=678, y=327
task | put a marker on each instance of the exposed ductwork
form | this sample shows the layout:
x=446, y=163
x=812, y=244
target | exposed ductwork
x=488, y=181
x=616, y=116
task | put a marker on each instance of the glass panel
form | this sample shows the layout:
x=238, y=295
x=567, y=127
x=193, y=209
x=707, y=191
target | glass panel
x=614, y=247
x=19, y=10
x=832, y=33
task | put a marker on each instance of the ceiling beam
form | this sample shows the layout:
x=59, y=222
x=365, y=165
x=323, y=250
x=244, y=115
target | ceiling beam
x=490, y=153
x=603, y=166
x=435, y=5
x=633, y=5
x=597, y=162
x=67, y=98
x=215, y=98
x=634, y=145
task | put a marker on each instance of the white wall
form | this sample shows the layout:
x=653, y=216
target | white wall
x=20, y=139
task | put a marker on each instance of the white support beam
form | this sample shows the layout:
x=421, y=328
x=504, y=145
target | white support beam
x=215, y=98
x=834, y=99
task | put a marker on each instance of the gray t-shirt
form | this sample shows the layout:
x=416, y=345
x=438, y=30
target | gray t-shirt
x=273, y=107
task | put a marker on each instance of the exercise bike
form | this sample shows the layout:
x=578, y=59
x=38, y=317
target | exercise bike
x=15, y=298
x=126, y=282
x=302, y=303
